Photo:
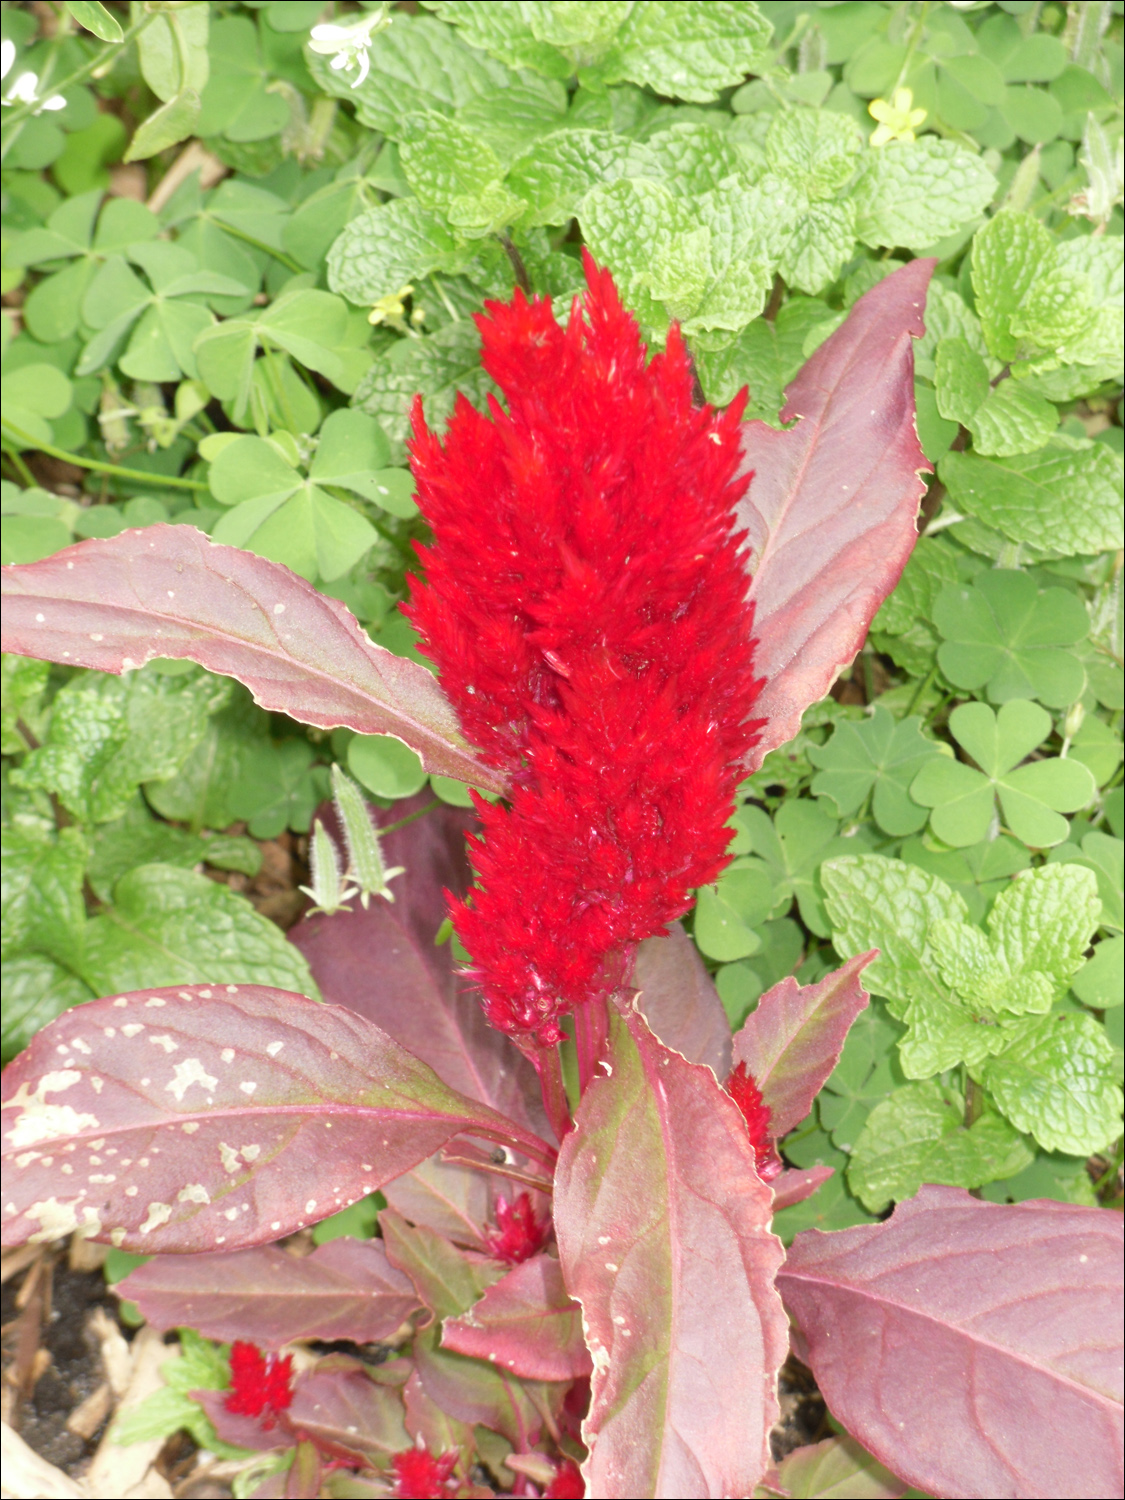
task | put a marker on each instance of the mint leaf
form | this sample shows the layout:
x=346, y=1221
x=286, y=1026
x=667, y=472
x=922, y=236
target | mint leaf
x=822, y=241
x=34, y=989
x=879, y=756
x=42, y=891
x=816, y=150
x=1045, y=920
x=505, y=30
x=1060, y=500
x=170, y=926
x=1058, y=1080
x=917, y=1135
x=912, y=194
x=873, y=902
x=687, y=53
x=1005, y=633
x=553, y=179
x=382, y=250
x=200, y=793
x=960, y=380
x=693, y=157
x=931, y=565
x=445, y=162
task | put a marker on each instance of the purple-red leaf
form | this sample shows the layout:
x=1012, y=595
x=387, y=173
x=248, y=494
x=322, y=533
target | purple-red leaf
x=346, y=1289
x=678, y=999
x=793, y=1039
x=240, y=1430
x=663, y=1231
x=443, y=1196
x=526, y=1323
x=211, y=1116
x=342, y=1408
x=116, y=603
x=382, y=963
x=832, y=505
x=796, y=1184
x=974, y=1348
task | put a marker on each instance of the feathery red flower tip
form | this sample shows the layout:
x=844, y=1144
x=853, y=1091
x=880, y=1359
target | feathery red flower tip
x=585, y=605
x=519, y=1234
x=421, y=1476
x=747, y=1095
x=567, y=1484
x=260, y=1385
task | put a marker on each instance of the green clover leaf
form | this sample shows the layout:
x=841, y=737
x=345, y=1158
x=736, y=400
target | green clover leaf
x=1004, y=634
x=879, y=757
x=1032, y=796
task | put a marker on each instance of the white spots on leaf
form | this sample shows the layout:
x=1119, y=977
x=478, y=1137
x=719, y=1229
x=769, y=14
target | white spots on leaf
x=155, y=1003
x=190, y=1127
x=227, y=1055
x=232, y=989
x=96, y=635
x=251, y=1153
x=120, y=1003
x=116, y=1236
x=619, y=1320
x=158, y=1213
x=607, y=1066
x=103, y=1179
x=228, y=1155
x=166, y=1042
x=610, y=1266
x=274, y=1048
x=145, y=1082
x=96, y=1083
x=133, y=1029
x=247, y=1086
x=128, y=664
x=603, y=1239
x=1082, y=1259
x=40, y=1121
x=276, y=1225
x=56, y=1219
x=195, y=1192
x=131, y=1192
x=365, y=1166
x=39, y=619
x=205, y=994
x=109, y=1031
x=231, y=1214
x=279, y=609
x=81, y=1046
x=220, y=1239
x=190, y=1071
x=63, y=1048
x=310, y=1205
x=27, y=1158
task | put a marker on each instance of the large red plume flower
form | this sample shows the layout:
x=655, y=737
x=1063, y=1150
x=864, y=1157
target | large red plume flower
x=585, y=605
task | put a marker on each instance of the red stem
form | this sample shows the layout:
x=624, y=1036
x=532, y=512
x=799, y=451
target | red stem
x=591, y=1027
x=548, y=1064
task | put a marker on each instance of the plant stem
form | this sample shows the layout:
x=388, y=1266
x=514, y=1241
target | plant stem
x=20, y=467
x=90, y=66
x=410, y=817
x=974, y=1102
x=167, y=480
x=519, y=270
x=591, y=1027
x=548, y=1065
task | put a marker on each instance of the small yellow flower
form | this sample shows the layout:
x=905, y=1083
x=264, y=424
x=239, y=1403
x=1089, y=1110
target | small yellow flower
x=391, y=308
x=897, y=120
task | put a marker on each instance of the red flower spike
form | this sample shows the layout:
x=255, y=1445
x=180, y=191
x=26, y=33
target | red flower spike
x=747, y=1095
x=260, y=1385
x=519, y=1234
x=585, y=605
x=567, y=1484
x=421, y=1476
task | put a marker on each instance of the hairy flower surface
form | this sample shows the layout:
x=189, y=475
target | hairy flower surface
x=519, y=1234
x=585, y=604
x=747, y=1095
x=421, y=1476
x=260, y=1384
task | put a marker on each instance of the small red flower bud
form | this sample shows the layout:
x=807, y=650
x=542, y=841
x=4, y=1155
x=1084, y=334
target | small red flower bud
x=260, y=1385
x=747, y=1095
x=421, y=1476
x=567, y=1484
x=519, y=1234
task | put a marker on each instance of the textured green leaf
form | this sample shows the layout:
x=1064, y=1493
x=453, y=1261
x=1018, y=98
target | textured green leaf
x=820, y=244
x=42, y=892
x=22, y=681
x=507, y=31
x=873, y=902
x=34, y=989
x=170, y=926
x=438, y=367
x=1105, y=856
x=693, y=157
x=1004, y=632
x=383, y=249
x=687, y=54
x=554, y=177
x=960, y=380
x=1058, y=1080
x=931, y=565
x=1012, y=420
x=109, y=734
x=917, y=1134
x=138, y=838
x=200, y=792
x=915, y=193
x=817, y=149
x=443, y=160
x=876, y=756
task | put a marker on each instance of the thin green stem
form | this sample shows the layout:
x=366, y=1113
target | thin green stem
x=167, y=481
x=920, y=691
x=20, y=467
x=410, y=818
x=252, y=239
x=90, y=66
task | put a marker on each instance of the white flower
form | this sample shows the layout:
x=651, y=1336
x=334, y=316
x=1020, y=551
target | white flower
x=23, y=90
x=349, y=44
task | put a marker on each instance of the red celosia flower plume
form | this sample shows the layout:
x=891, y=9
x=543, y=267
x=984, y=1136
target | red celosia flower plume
x=747, y=1095
x=567, y=1484
x=585, y=604
x=260, y=1384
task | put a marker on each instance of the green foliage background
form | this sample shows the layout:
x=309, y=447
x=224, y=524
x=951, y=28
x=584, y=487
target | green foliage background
x=237, y=352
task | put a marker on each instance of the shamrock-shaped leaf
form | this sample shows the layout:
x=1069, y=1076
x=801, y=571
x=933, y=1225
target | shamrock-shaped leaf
x=281, y=515
x=353, y=452
x=1032, y=796
x=792, y=848
x=879, y=757
x=1040, y=928
x=1004, y=632
x=1104, y=856
x=727, y=913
